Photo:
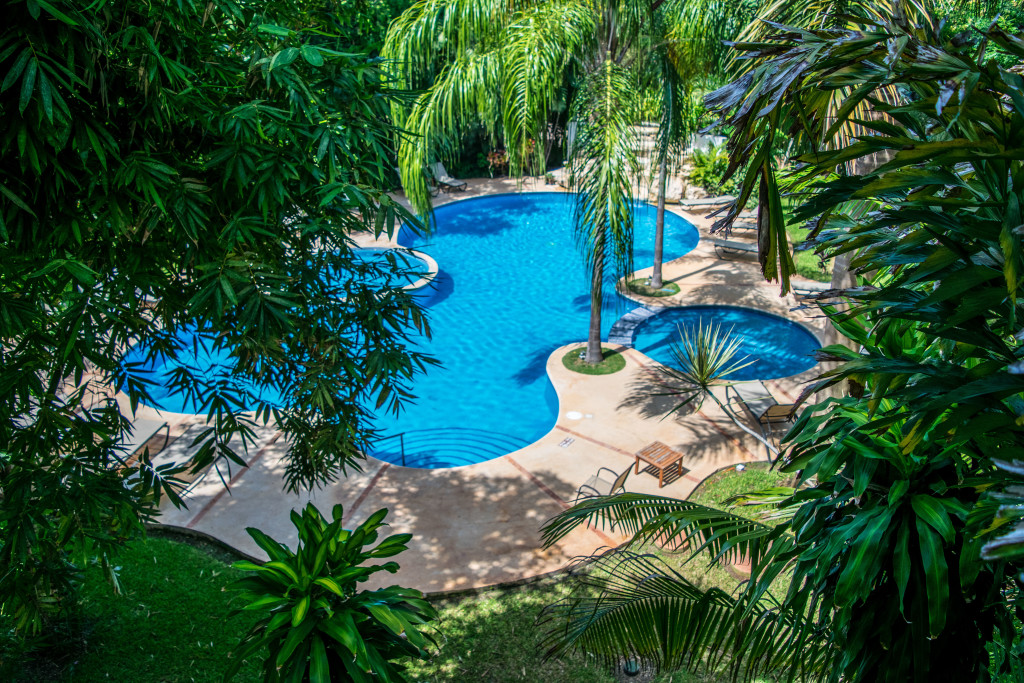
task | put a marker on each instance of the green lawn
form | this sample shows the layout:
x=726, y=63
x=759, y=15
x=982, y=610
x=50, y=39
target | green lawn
x=612, y=363
x=807, y=262
x=170, y=624
x=727, y=483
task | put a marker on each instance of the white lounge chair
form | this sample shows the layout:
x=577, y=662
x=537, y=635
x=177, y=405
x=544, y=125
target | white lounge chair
x=445, y=181
x=731, y=247
x=707, y=202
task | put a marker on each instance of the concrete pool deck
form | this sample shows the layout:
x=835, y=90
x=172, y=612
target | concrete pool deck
x=479, y=525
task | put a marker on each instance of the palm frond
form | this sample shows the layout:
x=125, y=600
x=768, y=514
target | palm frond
x=629, y=604
x=604, y=165
x=724, y=536
x=464, y=92
x=537, y=51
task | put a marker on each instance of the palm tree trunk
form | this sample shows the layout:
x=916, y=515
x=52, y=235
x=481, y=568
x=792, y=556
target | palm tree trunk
x=596, y=282
x=659, y=224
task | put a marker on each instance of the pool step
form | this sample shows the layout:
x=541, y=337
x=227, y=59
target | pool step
x=445, y=447
x=624, y=329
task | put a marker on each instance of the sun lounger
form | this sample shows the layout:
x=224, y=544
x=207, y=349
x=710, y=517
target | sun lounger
x=764, y=411
x=141, y=432
x=445, y=181
x=707, y=202
x=731, y=247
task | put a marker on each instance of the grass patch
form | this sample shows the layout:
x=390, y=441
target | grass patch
x=729, y=482
x=494, y=637
x=613, y=362
x=807, y=262
x=639, y=286
x=171, y=623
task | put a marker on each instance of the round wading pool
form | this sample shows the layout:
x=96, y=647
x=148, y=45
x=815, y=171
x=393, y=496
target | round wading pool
x=777, y=347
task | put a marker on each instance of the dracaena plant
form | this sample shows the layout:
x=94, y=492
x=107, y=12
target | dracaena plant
x=318, y=625
x=881, y=543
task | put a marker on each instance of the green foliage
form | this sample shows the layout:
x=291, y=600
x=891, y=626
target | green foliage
x=361, y=25
x=493, y=637
x=318, y=626
x=169, y=166
x=900, y=480
x=971, y=18
x=709, y=166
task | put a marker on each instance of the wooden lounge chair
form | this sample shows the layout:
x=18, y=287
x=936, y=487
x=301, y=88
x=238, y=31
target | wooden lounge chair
x=445, y=181
x=596, y=486
x=726, y=248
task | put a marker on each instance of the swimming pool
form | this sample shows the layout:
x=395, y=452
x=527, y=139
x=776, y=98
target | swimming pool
x=510, y=290
x=778, y=347
x=199, y=351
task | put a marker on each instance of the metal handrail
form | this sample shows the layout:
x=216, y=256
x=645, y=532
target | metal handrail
x=401, y=443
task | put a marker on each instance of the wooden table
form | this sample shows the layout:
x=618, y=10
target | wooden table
x=661, y=457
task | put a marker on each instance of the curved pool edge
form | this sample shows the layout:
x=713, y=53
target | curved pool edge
x=627, y=335
x=656, y=310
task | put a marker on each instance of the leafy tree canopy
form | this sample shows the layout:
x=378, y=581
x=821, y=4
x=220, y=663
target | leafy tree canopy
x=167, y=167
x=880, y=546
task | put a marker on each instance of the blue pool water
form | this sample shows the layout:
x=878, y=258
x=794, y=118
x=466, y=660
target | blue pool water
x=209, y=361
x=214, y=364
x=778, y=347
x=511, y=288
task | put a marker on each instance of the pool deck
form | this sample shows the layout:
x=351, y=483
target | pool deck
x=479, y=525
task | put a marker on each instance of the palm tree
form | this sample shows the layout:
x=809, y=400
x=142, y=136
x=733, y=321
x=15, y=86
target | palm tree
x=506, y=66
x=879, y=548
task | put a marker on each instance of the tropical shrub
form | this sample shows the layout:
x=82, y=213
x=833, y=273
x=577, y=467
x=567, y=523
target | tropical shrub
x=709, y=167
x=318, y=626
x=898, y=479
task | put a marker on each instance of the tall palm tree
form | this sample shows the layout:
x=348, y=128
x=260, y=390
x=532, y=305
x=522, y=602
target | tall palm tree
x=507, y=65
